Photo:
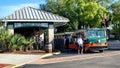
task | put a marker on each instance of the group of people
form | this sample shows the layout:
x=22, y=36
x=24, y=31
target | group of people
x=38, y=42
x=79, y=41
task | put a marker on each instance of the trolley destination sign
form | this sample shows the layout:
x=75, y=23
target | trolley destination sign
x=19, y=25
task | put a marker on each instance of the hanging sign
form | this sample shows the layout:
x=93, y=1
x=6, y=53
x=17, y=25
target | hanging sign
x=19, y=25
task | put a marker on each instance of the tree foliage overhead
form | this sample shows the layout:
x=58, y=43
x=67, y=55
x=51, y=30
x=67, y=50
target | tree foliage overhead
x=80, y=12
x=116, y=12
x=115, y=7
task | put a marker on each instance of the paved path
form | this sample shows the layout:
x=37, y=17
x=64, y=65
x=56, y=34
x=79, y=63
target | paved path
x=74, y=57
x=13, y=60
x=16, y=58
x=98, y=62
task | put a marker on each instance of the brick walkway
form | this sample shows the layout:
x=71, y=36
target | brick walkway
x=72, y=58
x=4, y=65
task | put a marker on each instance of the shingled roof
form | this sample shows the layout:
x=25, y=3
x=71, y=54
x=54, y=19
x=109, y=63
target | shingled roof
x=35, y=15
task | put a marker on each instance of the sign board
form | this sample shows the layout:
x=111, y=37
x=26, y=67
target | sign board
x=19, y=25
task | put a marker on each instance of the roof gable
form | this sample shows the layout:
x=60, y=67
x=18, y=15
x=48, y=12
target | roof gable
x=29, y=13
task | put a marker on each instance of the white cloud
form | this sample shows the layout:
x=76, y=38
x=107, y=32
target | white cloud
x=7, y=10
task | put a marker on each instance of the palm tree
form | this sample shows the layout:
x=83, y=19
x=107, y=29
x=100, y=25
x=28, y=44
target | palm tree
x=31, y=41
x=13, y=44
x=20, y=43
x=27, y=44
x=3, y=38
x=8, y=42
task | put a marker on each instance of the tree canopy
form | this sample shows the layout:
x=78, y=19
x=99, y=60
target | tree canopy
x=80, y=12
x=115, y=7
x=116, y=12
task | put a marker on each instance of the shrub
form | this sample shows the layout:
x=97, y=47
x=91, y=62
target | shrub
x=14, y=42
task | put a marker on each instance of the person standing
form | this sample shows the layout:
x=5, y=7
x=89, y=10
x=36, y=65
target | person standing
x=40, y=46
x=67, y=42
x=80, y=45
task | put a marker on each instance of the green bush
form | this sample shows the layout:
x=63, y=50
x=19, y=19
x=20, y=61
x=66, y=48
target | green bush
x=3, y=38
x=14, y=42
x=116, y=32
x=116, y=29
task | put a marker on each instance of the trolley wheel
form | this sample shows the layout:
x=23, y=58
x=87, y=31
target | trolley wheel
x=100, y=50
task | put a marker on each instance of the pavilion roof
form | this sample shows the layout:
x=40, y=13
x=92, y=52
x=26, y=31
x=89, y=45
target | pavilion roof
x=29, y=14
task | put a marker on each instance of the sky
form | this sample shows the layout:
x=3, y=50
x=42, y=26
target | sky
x=8, y=7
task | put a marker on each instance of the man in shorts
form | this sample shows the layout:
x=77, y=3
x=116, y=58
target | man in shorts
x=80, y=45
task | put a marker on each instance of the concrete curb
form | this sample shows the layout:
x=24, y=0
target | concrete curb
x=57, y=53
x=50, y=54
x=43, y=56
x=46, y=55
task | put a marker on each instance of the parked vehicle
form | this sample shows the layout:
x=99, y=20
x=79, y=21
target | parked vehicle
x=95, y=39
